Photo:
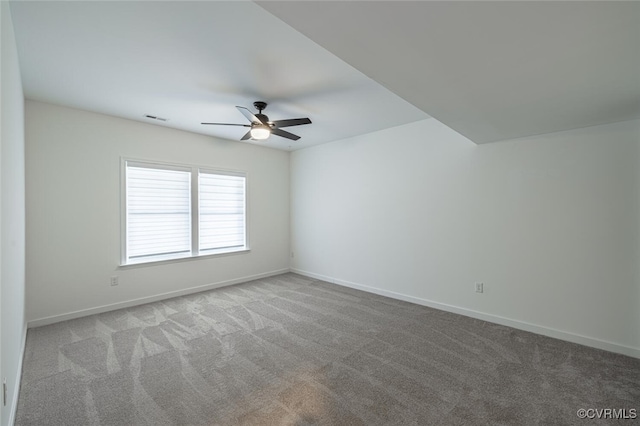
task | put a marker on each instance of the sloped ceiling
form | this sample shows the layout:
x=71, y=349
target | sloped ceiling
x=193, y=62
x=489, y=70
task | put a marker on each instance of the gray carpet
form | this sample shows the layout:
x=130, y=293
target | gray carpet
x=288, y=350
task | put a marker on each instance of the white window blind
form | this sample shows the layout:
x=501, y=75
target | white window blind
x=174, y=211
x=158, y=212
x=222, y=211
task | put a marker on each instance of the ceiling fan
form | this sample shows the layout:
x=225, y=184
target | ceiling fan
x=261, y=127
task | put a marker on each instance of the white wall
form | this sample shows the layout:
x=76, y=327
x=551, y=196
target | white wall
x=73, y=211
x=549, y=224
x=12, y=220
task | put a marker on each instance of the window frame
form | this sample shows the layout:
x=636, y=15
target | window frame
x=195, y=171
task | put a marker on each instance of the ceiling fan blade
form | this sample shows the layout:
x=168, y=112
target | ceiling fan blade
x=250, y=116
x=284, y=134
x=246, y=136
x=227, y=124
x=291, y=122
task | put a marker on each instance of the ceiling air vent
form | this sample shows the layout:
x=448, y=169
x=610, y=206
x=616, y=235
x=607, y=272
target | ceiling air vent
x=153, y=117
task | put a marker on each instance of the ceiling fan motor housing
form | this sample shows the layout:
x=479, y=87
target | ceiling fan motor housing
x=262, y=118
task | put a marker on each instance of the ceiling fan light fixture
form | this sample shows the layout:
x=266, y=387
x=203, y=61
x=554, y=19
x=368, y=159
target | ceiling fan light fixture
x=260, y=132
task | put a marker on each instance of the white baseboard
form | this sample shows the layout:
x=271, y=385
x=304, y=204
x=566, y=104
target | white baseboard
x=17, y=382
x=142, y=300
x=520, y=325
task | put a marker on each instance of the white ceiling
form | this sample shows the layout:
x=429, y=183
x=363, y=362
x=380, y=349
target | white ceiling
x=489, y=70
x=192, y=62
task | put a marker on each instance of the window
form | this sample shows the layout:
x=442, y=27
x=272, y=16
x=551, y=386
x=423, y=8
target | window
x=221, y=215
x=173, y=211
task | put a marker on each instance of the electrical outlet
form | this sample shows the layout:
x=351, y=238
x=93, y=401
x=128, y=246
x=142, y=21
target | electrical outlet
x=479, y=288
x=292, y=256
x=114, y=280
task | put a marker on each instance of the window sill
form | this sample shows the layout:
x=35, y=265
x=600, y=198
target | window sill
x=158, y=262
